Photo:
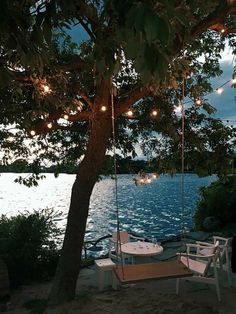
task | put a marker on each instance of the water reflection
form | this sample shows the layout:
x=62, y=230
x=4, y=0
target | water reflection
x=151, y=210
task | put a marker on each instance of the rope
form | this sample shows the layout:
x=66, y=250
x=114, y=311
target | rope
x=182, y=165
x=118, y=239
x=182, y=154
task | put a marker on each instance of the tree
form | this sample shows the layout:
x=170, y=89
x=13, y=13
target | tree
x=137, y=55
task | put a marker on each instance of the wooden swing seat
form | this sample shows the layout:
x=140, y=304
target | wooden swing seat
x=148, y=271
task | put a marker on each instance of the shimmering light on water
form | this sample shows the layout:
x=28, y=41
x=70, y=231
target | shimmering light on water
x=153, y=210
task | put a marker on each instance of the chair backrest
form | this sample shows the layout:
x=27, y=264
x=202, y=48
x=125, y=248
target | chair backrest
x=224, y=245
x=124, y=236
x=214, y=252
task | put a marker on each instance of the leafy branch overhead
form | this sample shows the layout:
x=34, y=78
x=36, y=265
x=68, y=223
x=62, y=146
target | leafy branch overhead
x=54, y=86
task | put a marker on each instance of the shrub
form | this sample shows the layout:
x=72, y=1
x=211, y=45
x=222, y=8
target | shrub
x=218, y=200
x=29, y=245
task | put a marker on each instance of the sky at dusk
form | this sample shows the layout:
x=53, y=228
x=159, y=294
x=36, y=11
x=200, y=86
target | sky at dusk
x=224, y=103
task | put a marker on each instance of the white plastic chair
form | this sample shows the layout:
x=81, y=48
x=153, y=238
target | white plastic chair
x=114, y=245
x=223, y=260
x=199, y=264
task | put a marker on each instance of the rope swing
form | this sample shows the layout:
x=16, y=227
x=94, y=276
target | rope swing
x=140, y=272
x=118, y=239
x=182, y=155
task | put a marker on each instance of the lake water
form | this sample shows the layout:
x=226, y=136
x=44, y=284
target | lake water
x=153, y=210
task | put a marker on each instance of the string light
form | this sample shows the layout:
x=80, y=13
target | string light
x=177, y=109
x=46, y=88
x=49, y=125
x=154, y=113
x=145, y=179
x=129, y=113
x=79, y=107
x=222, y=30
x=32, y=133
x=219, y=90
x=103, y=108
x=66, y=117
x=198, y=102
x=10, y=139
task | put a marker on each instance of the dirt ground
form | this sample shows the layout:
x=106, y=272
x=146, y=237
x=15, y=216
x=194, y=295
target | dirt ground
x=150, y=297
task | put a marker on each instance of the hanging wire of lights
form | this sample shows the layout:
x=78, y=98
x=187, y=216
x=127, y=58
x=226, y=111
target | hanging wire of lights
x=218, y=90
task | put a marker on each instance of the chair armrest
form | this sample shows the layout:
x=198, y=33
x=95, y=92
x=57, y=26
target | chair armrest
x=204, y=243
x=204, y=257
x=201, y=249
x=198, y=246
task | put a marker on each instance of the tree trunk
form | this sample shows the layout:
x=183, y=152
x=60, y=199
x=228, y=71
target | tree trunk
x=64, y=284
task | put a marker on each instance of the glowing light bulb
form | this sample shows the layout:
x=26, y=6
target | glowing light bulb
x=103, y=108
x=222, y=30
x=46, y=88
x=154, y=113
x=129, y=113
x=154, y=176
x=178, y=109
x=220, y=90
x=198, y=102
x=79, y=105
x=10, y=139
x=149, y=180
x=66, y=117
x=32, y=133
x=49, y=125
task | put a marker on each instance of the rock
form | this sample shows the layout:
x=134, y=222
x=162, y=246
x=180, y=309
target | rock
x=172, y=244
x=210, y=223
x=167, y=254
x=198, y=235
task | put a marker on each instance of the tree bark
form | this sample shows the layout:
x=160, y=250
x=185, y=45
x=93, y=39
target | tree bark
x=64, y=284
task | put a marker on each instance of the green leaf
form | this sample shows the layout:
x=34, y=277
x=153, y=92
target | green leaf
x=133, y=47
x=162, y=66
x=150, y=57
x=47, y=31
x=100, y=66
x=136, y=18
x=156, y=28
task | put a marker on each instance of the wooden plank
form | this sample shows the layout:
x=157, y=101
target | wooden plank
x=161, y=270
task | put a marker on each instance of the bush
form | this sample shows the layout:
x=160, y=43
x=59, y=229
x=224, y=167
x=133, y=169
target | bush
x=29, y=245
x=217, y=200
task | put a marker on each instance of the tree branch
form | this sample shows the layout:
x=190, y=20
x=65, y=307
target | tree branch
x=85, y=26
x=82, y=94
x=76, y=63
x=130, y=99
x=215, y=17
x=79, y=116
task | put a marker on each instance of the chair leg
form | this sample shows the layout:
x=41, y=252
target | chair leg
x=228, y=268
x=216, y=282
x=100, y=279
x=177, y=285
x=113, y=280
x=218, y=291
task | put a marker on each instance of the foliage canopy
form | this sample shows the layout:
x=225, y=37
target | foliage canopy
x=146, y=47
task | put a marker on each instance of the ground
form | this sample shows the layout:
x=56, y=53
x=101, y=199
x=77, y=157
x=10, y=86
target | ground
x=151, y=297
